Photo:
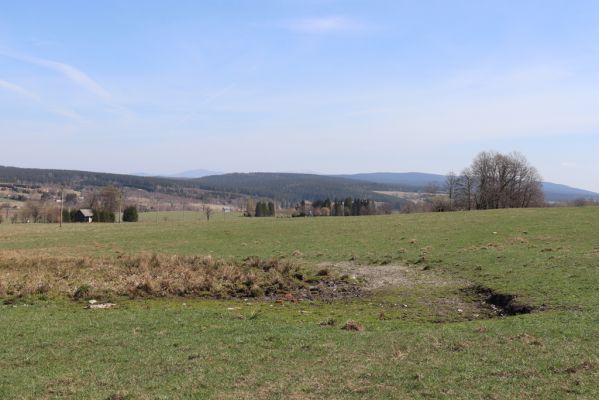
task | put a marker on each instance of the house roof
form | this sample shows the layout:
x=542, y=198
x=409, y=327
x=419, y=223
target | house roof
x=87, y=212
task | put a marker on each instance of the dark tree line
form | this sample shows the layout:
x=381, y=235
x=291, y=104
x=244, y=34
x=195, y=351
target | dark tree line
x=265, y=209
x=495, y=180
x=339, y=208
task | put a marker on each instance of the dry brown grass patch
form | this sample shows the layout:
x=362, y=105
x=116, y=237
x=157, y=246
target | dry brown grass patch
x=152, y=276
x=353, y=326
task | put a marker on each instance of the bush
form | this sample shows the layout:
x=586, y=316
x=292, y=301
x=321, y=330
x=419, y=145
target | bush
x=130, y=214
x=66, y=216
x=82, y=292
x=264, y=209
x=103, y=216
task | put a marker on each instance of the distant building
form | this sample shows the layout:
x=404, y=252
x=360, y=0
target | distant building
x=84, y=215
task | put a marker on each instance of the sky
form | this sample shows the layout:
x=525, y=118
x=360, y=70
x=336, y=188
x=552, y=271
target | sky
x=319, y=86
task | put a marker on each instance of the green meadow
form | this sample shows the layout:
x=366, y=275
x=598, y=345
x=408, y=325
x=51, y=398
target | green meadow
x=424, y=335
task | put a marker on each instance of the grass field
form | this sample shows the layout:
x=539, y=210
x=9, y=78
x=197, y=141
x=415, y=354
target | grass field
x=424, y=336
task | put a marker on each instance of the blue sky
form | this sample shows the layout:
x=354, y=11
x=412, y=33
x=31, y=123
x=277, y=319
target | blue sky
x=325, y=86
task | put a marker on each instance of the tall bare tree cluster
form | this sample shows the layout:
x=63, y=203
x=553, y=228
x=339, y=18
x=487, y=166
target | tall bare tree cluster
x=40, y=211
x=495, y=180
x=108, y=199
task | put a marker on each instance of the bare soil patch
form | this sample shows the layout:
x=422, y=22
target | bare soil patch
x=502, y=303
x=373, y=277
x=473, y=301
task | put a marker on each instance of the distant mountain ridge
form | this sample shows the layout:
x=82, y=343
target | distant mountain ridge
x=407, y=181
x=195, y=173
x=191, y=174
x=558, y=192
x=288, y=187
x=414, y=181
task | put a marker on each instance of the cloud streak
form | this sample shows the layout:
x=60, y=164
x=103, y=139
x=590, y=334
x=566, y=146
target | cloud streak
x=37, y=99
x=11, y=87
x=75, y=75
x=327, y=24
x=70, y=72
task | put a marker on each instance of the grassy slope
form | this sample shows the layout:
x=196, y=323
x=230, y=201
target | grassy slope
x=182, y=348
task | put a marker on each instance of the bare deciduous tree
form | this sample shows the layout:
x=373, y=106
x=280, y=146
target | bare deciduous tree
x=465, y=189
x=250, y=207
x=6, y=208
x=497, y=180
x=31, y=212
x=110, y=197
x=451, y=183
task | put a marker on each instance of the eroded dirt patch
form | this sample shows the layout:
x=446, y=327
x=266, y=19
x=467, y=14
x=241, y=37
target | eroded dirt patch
x=445, y=297
x=373, y=277
x=502, y=303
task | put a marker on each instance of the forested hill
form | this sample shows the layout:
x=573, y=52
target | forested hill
x=76, y=179
x=418, y=181
x=557, y=192
x=280, y=186
x=408, y=181
x=295, y=187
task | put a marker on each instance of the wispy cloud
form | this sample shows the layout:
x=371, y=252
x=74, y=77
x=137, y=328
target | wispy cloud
x=11, y=87
x=37, y=99
x=332, y=23
x=70, y=72
x=73, y=74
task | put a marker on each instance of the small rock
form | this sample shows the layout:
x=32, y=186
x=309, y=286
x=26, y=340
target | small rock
x=101, y=305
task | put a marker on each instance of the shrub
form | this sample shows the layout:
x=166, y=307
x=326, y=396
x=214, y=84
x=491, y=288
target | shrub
x=130, y=214
x=66, y=216
x=103, y=216
x=82, y=292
